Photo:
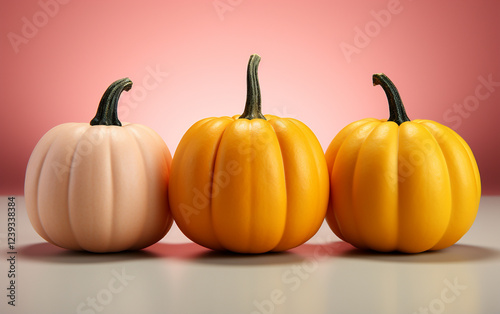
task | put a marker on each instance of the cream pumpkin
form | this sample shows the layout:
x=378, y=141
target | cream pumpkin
x=100, y=187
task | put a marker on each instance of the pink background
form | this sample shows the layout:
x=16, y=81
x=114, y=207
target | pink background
x=434, y=51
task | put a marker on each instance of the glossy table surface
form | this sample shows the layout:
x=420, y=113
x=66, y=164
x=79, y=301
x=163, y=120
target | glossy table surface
x=325, y=275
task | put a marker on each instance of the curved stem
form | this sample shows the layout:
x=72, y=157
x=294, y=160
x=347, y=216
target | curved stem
x=107, y=112
x=253, y=105
x=396, y=108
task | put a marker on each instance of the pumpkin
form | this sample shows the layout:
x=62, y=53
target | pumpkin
x=100, y=187
x=249, y=183
x=401, y=185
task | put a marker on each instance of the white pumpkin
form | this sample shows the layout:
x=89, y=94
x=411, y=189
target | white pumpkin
x=100, y=187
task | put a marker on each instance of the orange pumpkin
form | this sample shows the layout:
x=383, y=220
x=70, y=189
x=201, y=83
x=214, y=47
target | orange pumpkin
x=249, y=183
x=401, y=185
x=100, y=187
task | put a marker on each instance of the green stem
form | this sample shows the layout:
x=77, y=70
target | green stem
x=396, y=108
x=253, y=105
x=107, y=112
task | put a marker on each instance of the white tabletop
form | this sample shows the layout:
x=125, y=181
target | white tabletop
x=324, y=275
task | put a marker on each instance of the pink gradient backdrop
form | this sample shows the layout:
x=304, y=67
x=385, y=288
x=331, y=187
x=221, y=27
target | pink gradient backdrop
x=433, y=50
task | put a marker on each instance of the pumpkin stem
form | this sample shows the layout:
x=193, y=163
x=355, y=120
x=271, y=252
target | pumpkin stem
x=107, y=113
x=396, y=108
x=253, y=105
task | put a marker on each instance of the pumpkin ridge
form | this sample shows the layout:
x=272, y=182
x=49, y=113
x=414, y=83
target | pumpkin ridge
x=345, y=130
x=331, y=177
x=301, y=128
x=361, y=240
x=346, y=140
x=167, y=159
x=374, y=208
x=113, y=185
x=258, y=237
x=398, y=218
x=179, y=162
x=110, y=199
x=467, y=149
x=210, y=199
x=450, y=133
x=330, y=164
x=106, y=243
x=286, y=184
x=286, y=193
x=251, y=192
x=448, y=225
x=69, y=190
x=133, y=134
x=474, y=166
x=231, y=125
x=39, y=174
x=439, y=151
